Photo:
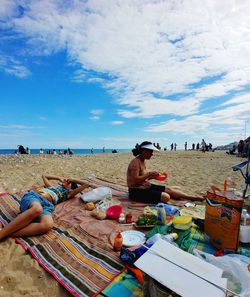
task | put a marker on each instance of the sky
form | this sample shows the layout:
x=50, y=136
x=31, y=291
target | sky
x=114, y=73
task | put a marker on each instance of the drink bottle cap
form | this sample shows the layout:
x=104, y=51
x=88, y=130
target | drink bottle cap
x=244, y=211
x=119, y=235
x=175, y=236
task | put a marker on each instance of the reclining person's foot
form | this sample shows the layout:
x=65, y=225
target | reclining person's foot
x=198, y=198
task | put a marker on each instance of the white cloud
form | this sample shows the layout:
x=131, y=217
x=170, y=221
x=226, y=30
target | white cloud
x=117, y=123
x=12, y=66
x=94, y=118
x=96, y=112
x=232, y=116
x=7, y=9
x=148, y=106
x=16, y=126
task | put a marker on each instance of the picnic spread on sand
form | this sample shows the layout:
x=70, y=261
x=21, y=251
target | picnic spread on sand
x=103, y=243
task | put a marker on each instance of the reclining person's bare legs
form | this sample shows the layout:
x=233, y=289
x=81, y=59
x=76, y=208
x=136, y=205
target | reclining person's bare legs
x=44, y=224
x=22, y=225
x=165, y=197
x=179, y=195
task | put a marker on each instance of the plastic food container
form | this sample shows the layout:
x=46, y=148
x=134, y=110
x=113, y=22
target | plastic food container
x=182, y=222
x=113, y=212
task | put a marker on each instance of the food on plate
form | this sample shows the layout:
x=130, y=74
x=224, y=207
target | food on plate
x=146, y=220
x=149, y=211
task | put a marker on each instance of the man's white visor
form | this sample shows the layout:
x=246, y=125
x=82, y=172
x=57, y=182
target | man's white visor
x=149, y=147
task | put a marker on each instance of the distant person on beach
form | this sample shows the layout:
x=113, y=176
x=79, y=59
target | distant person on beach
x=37, y=207
x=70, y=152
x=240, y=147
x=21, y=150
x=232, y=151
x=140, y=189
x=41, y=152
x=203, y=146
x=185, y=145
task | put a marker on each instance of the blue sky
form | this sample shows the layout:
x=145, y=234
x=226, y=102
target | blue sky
x=97, y=73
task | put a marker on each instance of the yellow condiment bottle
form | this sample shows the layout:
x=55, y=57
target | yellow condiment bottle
x=118, y=242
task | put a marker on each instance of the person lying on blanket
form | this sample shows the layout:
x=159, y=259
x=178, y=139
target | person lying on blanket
x=140, y=189
x=37, y=206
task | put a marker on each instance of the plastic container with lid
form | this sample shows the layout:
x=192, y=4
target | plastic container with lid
x=182, y=222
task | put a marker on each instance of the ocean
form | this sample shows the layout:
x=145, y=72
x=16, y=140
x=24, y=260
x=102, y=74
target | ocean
x=75, y=151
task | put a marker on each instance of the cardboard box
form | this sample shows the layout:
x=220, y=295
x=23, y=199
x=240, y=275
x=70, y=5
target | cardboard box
x=183, y=273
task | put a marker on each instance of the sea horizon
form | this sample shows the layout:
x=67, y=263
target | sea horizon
x=75, y=151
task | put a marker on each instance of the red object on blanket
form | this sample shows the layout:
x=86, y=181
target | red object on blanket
x=114, y=211
x=162, y=176
x=219, y=253
x=137, y=273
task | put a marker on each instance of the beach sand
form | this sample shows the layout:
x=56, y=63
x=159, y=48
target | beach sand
x=192, y=172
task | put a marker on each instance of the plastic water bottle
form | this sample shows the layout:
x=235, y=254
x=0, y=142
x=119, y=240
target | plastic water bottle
x=245, y=227
x=162, y=214
x=245, y=218
x=153, y=239
x=171, y=238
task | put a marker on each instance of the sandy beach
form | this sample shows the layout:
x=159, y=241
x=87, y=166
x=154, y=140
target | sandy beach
x=190, y=171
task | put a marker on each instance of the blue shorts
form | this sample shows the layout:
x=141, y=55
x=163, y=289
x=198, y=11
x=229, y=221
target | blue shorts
x=28, y=198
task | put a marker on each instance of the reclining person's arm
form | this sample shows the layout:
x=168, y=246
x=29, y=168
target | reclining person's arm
x=47, y=178
x=83, y=185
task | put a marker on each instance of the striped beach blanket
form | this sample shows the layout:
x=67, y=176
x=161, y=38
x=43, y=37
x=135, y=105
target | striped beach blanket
x=83, y=264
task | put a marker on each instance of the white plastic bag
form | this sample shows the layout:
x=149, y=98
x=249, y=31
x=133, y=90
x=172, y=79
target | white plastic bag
x=235, y=268
x=104, y=204
x=97, y=194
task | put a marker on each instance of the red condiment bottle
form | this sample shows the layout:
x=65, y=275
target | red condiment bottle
x=118, y=242
x=129, y=218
